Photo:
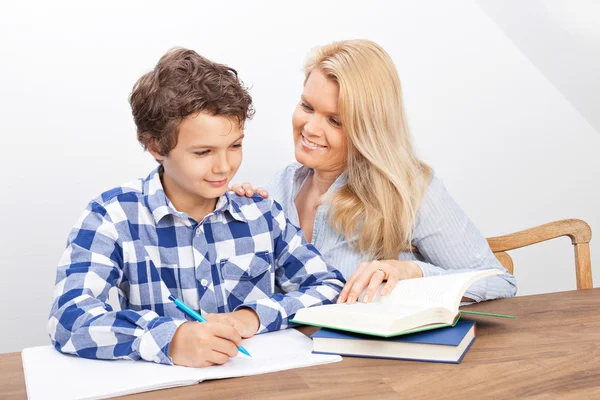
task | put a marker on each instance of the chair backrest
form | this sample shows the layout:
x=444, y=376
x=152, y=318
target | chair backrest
x=579, y=232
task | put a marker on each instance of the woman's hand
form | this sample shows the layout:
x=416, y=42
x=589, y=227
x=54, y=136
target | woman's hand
x=371, y=274
x=246, y=189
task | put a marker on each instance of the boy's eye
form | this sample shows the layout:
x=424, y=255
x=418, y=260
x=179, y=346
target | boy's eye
x=202, y=153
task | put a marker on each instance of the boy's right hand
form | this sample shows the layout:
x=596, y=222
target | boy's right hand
x=246, y=189
x=204, y=344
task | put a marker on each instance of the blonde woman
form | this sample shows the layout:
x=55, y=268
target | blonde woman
x=358, y=190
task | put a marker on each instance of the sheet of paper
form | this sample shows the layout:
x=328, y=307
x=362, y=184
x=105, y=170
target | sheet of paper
x=51, y=375
x=271, y=352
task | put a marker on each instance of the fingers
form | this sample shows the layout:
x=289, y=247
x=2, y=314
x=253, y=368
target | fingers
x=223, y=343
x=246, y=189
x=250, y=191
x=392, y=280
x=367, y=276
x=198, y=363
x=230, y=320
x=218, y=358
x=376, y=280
x=203, y=344
x=344, y=294
x=226, y=347
x=227, y=332
x=220, y=344
x=220, y=319
x=360, y=284
x=264, y=194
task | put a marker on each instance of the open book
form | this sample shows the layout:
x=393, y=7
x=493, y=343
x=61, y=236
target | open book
x=52, y=375
x=414, y=305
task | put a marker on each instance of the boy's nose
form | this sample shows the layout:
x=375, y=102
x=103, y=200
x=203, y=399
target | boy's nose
x=221, y=165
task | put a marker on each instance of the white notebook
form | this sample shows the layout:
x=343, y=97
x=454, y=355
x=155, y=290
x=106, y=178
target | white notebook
x=51, y=375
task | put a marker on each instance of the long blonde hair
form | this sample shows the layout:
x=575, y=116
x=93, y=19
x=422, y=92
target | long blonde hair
x=386, y=180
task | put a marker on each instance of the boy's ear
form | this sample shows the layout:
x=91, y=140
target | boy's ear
x=153, y=149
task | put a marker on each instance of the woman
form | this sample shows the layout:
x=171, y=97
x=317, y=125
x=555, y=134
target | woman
x=359, y=192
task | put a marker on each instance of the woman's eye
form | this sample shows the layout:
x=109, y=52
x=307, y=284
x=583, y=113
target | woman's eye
x=306, y=107
x=237, y=146
x=335, y=122
x=202, y=153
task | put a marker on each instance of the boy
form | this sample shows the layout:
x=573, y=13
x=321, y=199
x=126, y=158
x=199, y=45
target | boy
x=180, y=232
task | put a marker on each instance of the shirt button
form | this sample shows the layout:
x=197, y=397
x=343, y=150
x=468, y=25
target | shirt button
x=198, y=232
x=204, y=282
x=478, y=256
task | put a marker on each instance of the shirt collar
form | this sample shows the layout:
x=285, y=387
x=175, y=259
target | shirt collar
x=228, y=202
x=160, y=205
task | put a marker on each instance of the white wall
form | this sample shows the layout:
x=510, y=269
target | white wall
x=562, y=39
x=510, y=148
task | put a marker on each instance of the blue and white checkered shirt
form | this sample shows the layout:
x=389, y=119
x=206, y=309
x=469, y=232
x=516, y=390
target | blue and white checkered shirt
x=132, y=238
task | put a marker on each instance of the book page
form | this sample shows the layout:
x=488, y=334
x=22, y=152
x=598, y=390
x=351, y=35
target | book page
x=373, y=318
x=443, y=290
x=52, y=375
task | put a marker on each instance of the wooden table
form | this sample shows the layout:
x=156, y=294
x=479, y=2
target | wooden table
x=552, y=350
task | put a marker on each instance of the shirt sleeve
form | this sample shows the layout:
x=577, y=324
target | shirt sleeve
x=450, y=243
x=300, y=272
x=81, y=322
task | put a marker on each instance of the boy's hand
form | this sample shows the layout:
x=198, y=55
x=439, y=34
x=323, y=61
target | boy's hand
x=203, y=344
x=245, y=321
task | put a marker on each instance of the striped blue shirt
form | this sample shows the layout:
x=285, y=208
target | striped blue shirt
x=243, y=254
x=447, y=240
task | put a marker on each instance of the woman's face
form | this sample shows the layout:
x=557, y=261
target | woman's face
x=319, y=138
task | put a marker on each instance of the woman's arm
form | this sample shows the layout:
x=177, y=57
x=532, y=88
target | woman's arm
x=449, y=243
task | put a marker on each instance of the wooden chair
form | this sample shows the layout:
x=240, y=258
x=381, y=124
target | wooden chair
x=579, y=232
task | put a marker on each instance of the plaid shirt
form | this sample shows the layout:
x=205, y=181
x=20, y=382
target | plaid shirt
x=244, y=254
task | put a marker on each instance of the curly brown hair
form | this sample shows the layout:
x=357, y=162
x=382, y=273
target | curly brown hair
x=185, y=83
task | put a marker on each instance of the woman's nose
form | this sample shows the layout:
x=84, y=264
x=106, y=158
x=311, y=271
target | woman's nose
x=312, y=126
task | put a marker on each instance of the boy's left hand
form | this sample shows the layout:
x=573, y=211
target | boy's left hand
x=245, y=321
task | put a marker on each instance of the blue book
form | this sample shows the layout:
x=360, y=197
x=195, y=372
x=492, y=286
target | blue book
x=447, y=345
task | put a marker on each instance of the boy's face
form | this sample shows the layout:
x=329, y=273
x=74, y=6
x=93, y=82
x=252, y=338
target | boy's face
x=207, y=156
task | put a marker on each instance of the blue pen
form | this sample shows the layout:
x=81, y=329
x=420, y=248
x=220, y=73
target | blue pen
x=192, y=313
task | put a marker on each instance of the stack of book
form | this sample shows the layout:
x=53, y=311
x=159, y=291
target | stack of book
x=418, y=320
